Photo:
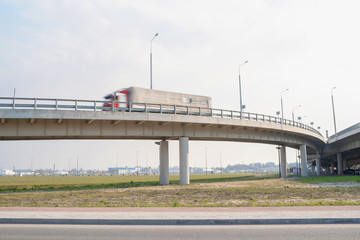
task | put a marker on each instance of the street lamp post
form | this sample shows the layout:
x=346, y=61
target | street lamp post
x=293, y=118
x=117, y=170
x=282, y=108
x=304, y=119
x=333, y=108
x=151, y=59
x=241, y=105
x=206, y=161
x=221, y=169
x=137, y=163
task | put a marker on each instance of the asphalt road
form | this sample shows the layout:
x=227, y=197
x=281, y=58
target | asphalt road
x=254, y=232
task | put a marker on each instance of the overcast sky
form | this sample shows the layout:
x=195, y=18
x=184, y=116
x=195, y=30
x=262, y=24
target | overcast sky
x=86, y=49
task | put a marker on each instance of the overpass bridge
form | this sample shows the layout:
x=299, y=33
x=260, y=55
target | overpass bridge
x=45, y=119
x=343, y=149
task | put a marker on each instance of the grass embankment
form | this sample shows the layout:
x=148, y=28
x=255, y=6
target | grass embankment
x=227, y=190
x=330, y=179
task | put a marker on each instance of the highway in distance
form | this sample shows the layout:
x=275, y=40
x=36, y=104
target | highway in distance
x=254, y=232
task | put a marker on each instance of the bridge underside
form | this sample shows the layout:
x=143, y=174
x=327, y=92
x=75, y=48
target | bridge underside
x=348, y=147
x=349, y=157
x=52, y=125
x=51, y=129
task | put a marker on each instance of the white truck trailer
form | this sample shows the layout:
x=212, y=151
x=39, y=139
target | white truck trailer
x=135, y=97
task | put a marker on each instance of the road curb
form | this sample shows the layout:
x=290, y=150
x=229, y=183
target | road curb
x=179, y=222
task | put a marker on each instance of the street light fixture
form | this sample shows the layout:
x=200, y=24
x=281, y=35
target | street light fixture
x=333, y=108
x=241, y=105
x=151, y=59
x=282, y=108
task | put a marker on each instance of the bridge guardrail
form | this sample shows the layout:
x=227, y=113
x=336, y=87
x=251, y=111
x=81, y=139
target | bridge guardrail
x=99, y=105
x=349, y=129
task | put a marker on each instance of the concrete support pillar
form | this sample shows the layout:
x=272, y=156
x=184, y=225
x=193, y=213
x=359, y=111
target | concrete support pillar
x=184, y=160
x=164, y=162
x=283, y=162
x=332, y=166
x=339, y=163
x=318, y=167
x=303, y=156
x=328, y=169
x=345, y=165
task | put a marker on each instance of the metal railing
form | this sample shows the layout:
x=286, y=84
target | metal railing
x=349, y=129
x=101, y=105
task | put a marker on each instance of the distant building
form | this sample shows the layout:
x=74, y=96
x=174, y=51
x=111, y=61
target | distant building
x=61, y=173
x=26, y=174
x=6, y=172
x=174, y=170
x=122, y=170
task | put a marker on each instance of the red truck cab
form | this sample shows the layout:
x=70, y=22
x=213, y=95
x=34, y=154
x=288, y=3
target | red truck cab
x=119, y=98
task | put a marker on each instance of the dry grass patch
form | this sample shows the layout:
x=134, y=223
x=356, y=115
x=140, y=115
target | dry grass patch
x=271, y=192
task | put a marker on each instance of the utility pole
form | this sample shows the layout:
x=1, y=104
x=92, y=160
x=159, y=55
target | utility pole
x=333, y=108
x=117, y=170
x=241, y=105
x=282, y=108
x=151, y=59
x=137, y=163
x=206, y=160
x=31, y=164
x=221, y=169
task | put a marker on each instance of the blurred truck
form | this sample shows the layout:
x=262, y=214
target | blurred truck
x=138, y=98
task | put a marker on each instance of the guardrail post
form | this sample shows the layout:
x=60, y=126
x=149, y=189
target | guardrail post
x=174, y=109
x=56, y=104
x=13, y=103
x=112, y=106
x=160, y=108
x=130, y=106
x=145, y=107
x=187, y=110
x=35, y=103
x=94, y=105
x=211, y=112
x=222, y=113
x=256, y=117
x=199, y=111
x=76, y=105
x=231, y=113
